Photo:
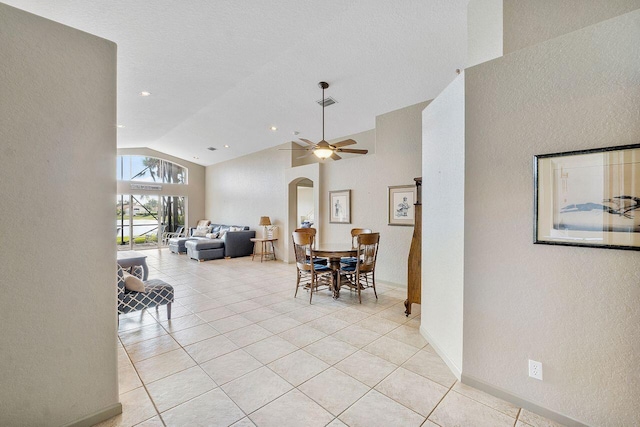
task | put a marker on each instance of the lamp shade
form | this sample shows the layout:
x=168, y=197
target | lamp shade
x=264, y=220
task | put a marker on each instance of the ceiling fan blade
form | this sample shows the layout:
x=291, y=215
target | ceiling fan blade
x=344, y=143
x=351, y=150
x=335, y=156
x=307, y=141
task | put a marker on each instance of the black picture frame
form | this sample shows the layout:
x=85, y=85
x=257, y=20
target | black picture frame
x=588, y=198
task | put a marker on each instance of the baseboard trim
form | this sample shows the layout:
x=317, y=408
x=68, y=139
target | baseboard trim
x=521, y=402
x=98, y=417
x=452, y=366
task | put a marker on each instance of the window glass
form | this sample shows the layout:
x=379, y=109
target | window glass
x=150, y=169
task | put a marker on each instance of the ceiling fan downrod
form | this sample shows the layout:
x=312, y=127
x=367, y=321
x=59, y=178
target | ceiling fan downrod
x=323, y=85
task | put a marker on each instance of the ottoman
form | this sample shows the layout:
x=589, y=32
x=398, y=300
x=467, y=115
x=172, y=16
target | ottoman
x=176, y=245
x=205, y=249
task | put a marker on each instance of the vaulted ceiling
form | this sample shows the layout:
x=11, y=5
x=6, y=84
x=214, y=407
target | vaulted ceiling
x=223, y=72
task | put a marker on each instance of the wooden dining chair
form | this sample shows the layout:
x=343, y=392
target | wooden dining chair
x=355, y=232
x=316, y=274
x=365, y=267
x=312, y=232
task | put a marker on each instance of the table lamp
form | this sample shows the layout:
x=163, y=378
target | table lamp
x=264, y=221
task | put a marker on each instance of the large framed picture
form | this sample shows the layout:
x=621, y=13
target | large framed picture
x=401, y=205
x=588, y=198
x=340, y=207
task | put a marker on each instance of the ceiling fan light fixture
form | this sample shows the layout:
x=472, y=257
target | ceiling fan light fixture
x=323, y=153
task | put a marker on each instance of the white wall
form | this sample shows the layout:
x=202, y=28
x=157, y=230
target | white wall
x=58, y=359
x=443, y=223
x=576, y=310
x=484, y=31
x=242, y=190
x=194, y=190
x=527, y=23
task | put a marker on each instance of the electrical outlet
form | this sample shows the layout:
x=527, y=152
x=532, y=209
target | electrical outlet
x=535, y=369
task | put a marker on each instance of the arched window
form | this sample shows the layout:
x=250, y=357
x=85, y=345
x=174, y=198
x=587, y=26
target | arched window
x=144, y=218
x=150, y=169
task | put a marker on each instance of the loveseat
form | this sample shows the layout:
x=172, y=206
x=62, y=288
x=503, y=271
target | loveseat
x=215, y=241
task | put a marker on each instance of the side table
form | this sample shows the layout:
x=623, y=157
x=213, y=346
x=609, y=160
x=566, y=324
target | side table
x=265, y=252
x=128, y=259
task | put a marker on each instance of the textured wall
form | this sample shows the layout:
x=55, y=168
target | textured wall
x=397, y=160
x=527, y=23
x=443, y=223
x=576, y=310
x=242, y=190
x=194, y=191
x=57, y=275
x=484, y=31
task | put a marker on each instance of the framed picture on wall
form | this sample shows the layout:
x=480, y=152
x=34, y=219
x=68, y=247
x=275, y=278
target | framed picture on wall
x=401, y=205
x=588, y=198
x=340, y=207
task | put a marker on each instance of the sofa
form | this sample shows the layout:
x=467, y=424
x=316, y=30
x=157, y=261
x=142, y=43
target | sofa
x=215, y=241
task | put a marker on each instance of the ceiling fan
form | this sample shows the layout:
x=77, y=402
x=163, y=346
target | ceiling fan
x=325, y=150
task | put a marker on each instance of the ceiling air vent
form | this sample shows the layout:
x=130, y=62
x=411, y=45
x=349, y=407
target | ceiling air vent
x=212, y=148
x=326, y=102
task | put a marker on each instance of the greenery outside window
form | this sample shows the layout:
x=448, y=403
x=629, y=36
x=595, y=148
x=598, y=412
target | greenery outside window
x=150, y=169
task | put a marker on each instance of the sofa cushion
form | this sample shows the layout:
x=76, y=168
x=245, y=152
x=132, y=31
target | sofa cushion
x=202, y=244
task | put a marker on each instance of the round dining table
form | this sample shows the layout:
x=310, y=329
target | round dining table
x=334, y=252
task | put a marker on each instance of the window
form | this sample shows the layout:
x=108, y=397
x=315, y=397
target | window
x=150, y=169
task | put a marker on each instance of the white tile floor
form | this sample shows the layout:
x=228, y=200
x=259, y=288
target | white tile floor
x=241, y=351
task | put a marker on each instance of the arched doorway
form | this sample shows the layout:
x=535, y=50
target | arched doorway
x=303, y=202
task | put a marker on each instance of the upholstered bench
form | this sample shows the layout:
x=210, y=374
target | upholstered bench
x=156, y=293
x=176, y=245
x=203, y=250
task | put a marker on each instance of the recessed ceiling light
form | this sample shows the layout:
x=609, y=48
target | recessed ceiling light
x=120, y=126
x=145, y=93
x=226, y=146
x=295, y=132
x=273, y=128
x=196, y=157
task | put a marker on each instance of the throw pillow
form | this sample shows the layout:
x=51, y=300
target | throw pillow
x=212, y=235
x=221, y=234
x=132, y=283
x=200, y=231
x=235, y=228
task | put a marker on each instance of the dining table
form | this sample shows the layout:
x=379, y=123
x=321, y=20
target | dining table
x=334, y=252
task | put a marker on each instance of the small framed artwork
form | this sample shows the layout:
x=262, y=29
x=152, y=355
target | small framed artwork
x=340, y=207
x=588, y=198
x=401, y=205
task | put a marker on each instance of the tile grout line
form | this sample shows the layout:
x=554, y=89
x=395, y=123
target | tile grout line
x=145, y=388
x=440, y=401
